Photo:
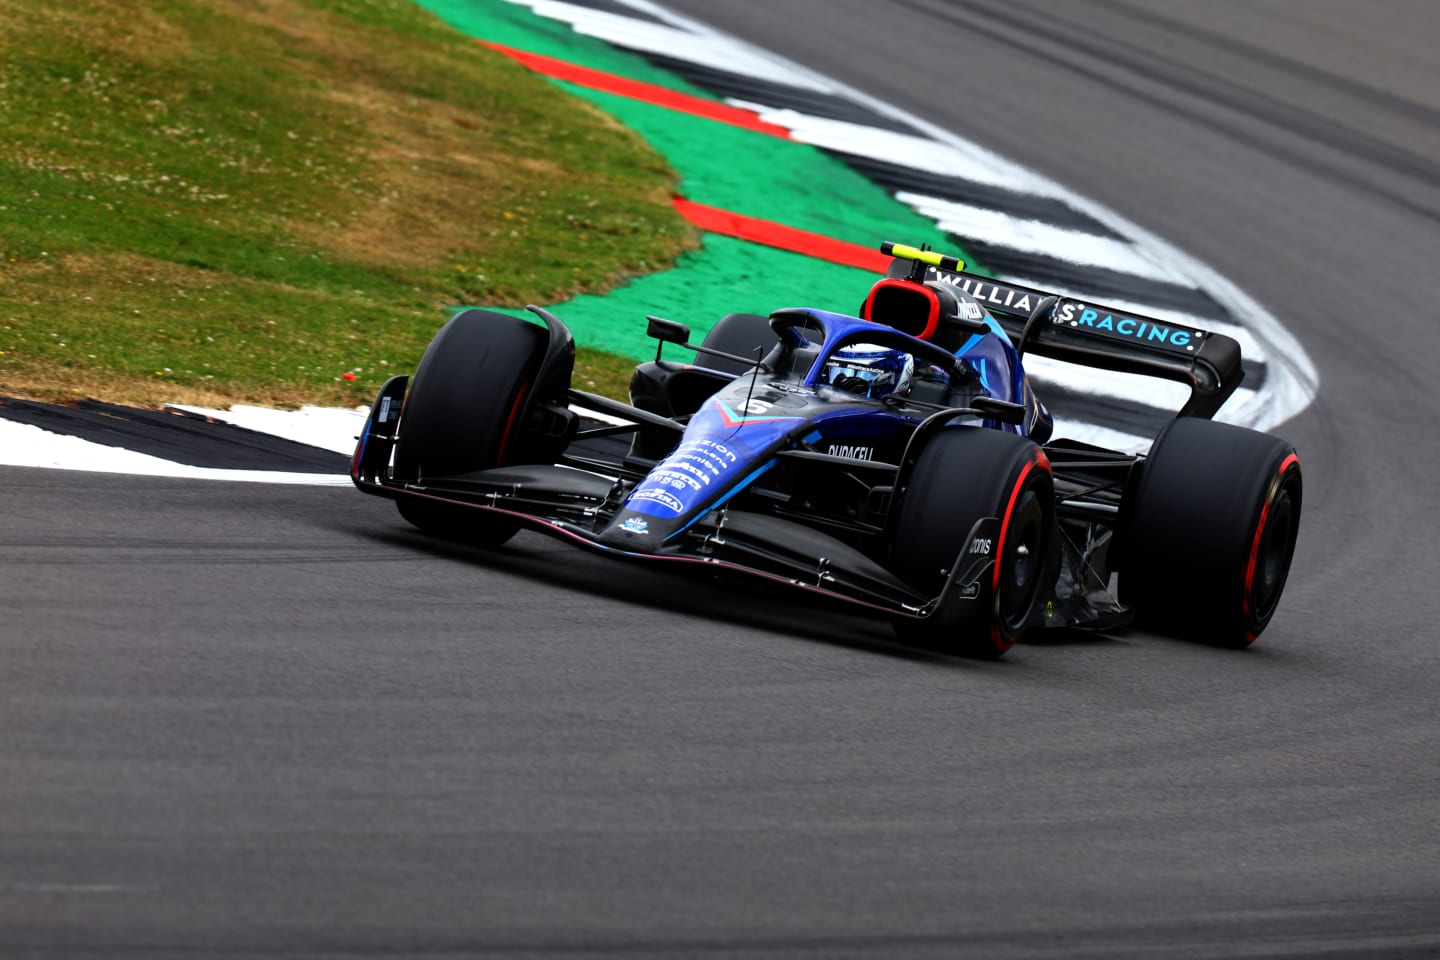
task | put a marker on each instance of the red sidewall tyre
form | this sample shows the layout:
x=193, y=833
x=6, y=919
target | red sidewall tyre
x=1207, y=531
x=464, y=412
x=963, y=475
x=463, y=408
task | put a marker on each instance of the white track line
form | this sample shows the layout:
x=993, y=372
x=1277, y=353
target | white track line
x=1038, y=237
x=329, y=428
x=23, y=445
x=893, y=146
x=711, y=50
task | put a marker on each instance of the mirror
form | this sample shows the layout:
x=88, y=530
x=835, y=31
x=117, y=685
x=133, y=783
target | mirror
x=667, y=331
x=1001, y=410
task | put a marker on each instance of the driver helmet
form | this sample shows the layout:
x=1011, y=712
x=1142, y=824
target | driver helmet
x=870, y=371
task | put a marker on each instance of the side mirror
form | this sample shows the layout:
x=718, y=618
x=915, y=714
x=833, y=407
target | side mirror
x=1001, y=410
x=667, y=331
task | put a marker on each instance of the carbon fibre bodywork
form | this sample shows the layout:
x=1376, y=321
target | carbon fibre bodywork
x=775, y=473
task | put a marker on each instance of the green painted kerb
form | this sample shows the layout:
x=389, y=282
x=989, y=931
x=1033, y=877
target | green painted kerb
x=513, y=25
x=721, y=166
x=763, y=176
x=726, y=276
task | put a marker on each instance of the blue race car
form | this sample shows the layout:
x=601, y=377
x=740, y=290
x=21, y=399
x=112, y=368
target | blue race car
x=897, y=459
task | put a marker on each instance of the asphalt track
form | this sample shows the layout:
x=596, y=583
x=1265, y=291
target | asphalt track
x=251, y=720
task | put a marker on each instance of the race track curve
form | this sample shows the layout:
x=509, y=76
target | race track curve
x=260, y=720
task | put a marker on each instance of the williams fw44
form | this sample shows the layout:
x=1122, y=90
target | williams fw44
x=897, y=459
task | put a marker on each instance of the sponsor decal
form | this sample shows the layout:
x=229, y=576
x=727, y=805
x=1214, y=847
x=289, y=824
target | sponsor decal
x=672, y=478
x=715, y=445
x=678, y=464
x=1075, y=314
x=636, y=525
x=659, y=497
x=705, y=463
x=853, y=451
x=971, y=310
x=703, y=458
x=384, y=409
x=1006, y=298
x=694, y=466
x=981, y=546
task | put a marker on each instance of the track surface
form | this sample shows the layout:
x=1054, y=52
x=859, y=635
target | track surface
x=264, y=720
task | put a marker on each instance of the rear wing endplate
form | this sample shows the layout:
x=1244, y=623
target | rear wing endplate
x=1088, y=333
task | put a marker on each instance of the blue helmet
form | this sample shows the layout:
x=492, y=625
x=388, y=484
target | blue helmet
x=870, y=371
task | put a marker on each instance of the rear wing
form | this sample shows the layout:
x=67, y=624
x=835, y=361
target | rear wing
x=1088, y=333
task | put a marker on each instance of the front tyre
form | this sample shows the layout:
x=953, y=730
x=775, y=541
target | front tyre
x=1208, y=530
x=963, y=475
x=462, y=524
x=464, y=413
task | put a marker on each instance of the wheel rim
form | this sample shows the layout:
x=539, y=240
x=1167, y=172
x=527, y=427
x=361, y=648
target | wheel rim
x=1020, y=564
x=1273, y=560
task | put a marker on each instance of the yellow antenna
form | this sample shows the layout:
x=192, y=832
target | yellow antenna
x=903, y=251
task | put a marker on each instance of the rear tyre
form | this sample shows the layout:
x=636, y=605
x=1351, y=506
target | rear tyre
x=963, y=475
x=464, y=413
x=1208, y=530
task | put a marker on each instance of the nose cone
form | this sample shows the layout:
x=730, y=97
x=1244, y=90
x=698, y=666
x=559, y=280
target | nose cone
x=636, y=532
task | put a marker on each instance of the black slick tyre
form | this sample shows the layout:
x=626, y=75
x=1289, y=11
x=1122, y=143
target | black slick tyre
x=1207, y=531
x=463, y=413
x=965, y=474
x=740, y=334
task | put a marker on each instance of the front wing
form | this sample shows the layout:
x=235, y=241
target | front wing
x=576, y=504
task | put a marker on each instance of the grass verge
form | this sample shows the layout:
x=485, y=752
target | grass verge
x=229, y=201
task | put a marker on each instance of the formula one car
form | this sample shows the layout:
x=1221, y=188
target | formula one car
x=897, y=459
